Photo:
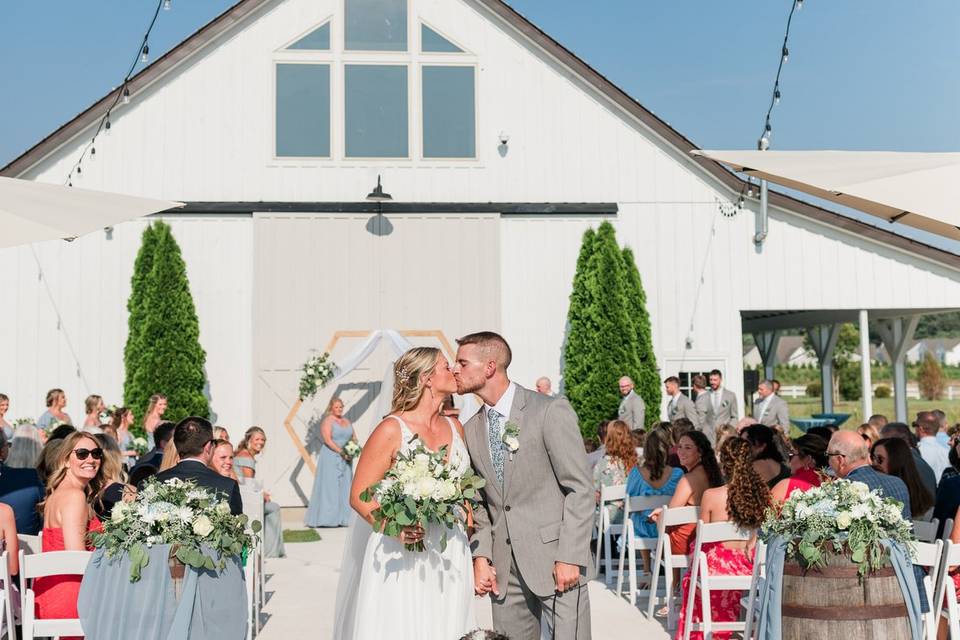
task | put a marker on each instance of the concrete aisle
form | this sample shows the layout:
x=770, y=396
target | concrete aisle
x=301, y=590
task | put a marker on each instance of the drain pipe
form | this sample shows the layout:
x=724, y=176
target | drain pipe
x=761, y=227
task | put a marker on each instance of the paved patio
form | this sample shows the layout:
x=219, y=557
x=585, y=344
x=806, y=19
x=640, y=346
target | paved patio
x=301, y=590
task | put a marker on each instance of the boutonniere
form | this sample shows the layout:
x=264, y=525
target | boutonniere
x=511, y=437
x=726, y=403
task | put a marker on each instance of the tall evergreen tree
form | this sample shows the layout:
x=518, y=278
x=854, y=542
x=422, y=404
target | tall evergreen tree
x=132, y=395
x=647, y=378
x=172, y=360
x=602, y=341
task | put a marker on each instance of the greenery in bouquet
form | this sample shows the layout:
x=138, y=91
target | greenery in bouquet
x=22, y=421
x=317, y=371
x=179, y=513
x=350, y=451
x=423, y=488
x=839, y=517
x=139, y=445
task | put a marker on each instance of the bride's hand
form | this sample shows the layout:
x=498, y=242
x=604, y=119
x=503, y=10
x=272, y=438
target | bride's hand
x=411, y=535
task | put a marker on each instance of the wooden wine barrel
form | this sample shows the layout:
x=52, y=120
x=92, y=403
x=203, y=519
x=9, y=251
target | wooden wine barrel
x=833, y=602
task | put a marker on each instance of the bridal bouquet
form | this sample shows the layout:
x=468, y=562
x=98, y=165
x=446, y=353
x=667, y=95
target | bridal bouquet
x=179, y=513
x=839, y=517
x=139, y=445
x=317, y=371
x=422, y=488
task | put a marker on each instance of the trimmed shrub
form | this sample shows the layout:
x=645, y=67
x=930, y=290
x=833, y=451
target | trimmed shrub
x=849, y=382
x=882, y=391
x=930, y=378
x=814, y=390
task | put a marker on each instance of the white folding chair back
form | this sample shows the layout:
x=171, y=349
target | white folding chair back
x=7, y=622
x=254, y=510
x=631, y=543
x=665, y=558
x=30, y=544
x=606, y=530
x=51, y=563
x=751, y=603
x=702, y=580
x=926, y=531
x=928, y=556
x=947, y=529
x=945, y=589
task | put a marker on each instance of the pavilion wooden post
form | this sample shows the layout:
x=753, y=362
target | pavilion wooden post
x=824, y=341
x=897, y=337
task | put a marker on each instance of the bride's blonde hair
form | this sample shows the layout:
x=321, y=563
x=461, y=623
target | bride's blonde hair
x=410, y=375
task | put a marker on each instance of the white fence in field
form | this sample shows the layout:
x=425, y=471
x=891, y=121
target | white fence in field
x=952, y=392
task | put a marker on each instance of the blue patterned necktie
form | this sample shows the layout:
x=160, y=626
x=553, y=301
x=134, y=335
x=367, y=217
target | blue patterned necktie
x=496, y=446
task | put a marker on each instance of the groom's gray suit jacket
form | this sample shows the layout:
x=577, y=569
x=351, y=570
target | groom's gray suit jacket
x=543, y=513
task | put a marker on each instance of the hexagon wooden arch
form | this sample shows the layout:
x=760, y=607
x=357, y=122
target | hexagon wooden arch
x=409, y=333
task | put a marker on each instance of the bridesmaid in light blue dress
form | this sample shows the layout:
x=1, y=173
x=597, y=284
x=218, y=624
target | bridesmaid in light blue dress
x=330, y=501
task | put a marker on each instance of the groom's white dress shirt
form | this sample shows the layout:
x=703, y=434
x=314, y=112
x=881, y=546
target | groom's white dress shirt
x=503, y=406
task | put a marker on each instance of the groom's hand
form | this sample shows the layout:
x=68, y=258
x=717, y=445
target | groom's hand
x=565, y=576
x=484, y=577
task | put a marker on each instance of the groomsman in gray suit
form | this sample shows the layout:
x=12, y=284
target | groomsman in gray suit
x=771, y=409
x=531, y=540
x=679, y=405
x=719, y=406
x=632, y=408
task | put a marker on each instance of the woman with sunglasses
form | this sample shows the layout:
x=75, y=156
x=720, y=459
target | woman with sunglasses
x=808, y=457
x=76, y=476
x=893, y=457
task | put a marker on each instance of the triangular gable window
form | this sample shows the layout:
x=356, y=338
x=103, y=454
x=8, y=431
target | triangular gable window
x=433, y=42
x=316, y=40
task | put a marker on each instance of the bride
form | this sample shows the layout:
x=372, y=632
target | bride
x=386, y=591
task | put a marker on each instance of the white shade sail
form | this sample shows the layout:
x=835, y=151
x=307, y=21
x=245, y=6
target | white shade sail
x=921, y=190
x=35, y=211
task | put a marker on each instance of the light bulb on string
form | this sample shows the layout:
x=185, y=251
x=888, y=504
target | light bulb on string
x=750, y=190
x=741, y=202
x=764, y=143
x=93, y=152
x=106, y=126
x=786, y=53
x=799, y=4
x=79, y=170
x=126, y=95
x=145, y=54
x=776, y=96
x=167, y=3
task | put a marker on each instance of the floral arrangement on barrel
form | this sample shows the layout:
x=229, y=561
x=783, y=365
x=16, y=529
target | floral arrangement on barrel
x=194, y=520
x=423, y=488
x=317, y=371
x=840, y=517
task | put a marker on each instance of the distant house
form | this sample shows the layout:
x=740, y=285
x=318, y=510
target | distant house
x=792, y=353
x=945, y=350
x=751, y=357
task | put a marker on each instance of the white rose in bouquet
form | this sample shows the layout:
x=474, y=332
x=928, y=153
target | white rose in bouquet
x=202, y=526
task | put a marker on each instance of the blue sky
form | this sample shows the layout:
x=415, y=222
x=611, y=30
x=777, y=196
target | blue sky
x=861, y=75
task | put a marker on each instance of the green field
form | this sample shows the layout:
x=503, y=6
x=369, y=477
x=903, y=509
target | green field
x=805, y=407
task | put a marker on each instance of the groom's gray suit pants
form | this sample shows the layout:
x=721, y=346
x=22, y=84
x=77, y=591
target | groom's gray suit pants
x=519, y=614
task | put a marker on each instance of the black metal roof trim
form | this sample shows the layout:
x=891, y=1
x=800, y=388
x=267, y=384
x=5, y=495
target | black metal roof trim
x=503, y=208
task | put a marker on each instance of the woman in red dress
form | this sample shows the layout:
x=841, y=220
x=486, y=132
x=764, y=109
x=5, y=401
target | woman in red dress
x=743, y=501
x=68, y=519
x=808, y=456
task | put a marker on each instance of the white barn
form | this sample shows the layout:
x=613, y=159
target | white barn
x=499, y=147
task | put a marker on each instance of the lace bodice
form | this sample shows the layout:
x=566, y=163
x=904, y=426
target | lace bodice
x=458, y=457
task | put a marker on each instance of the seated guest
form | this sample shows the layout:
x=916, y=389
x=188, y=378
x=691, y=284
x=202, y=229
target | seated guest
x=892, y=457
x=742, y=501
x=947, y=499
x=245, y=464
x=725, y=431
x=652, y=478
x=930, y=449
x=56, y=402
x=902, y=431
x=94, y=407
x=193, y=439
x=10, y=544
x=20, y=485
x=149, y=463
x=823, y=432
x=943, y=433
x=171, y=457
x=767, y=460
x=697, y=457
x=222, y=460
x=114, y=477
x=808, y=457
x=869, y=433
x=220, y=433
x=953, y=455
x=594, y=457
x=678, y=428
x=612, y=470
x=68, y=519
x=61, y=432
x=850, y=459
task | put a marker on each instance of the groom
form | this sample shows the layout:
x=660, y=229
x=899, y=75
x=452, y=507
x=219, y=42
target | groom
x=531, y=546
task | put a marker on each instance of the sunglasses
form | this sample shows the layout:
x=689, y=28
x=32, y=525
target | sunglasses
x=83, y=453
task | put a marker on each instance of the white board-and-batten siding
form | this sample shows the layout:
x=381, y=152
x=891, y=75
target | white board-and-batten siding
x=204, y=132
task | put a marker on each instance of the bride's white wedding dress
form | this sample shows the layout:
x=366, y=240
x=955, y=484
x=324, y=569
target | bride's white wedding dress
x=386, y=591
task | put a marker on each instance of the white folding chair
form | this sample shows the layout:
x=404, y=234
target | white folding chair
x=947, y=529
x=926, y=531
x=928, y=556
x=30, y=544
x=7, y=621
x=631, y=543
x=665, y=558
x=750, y=603
x=38, y=565
x=945, y=588
x=605, y=530
x=702, y=580
x=253, y=509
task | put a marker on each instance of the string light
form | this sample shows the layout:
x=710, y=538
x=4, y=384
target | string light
x=122, y=96
x=764, y=142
